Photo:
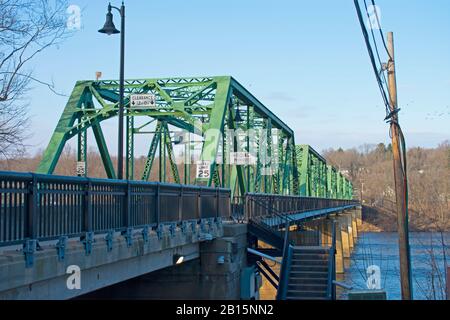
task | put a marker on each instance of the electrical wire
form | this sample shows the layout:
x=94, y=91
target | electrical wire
x=374, y=40
x=372, y=57
x=381, y=32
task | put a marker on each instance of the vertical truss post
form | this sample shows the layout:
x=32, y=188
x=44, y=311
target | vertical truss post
x=251, y=147
x=129, y=161
x=286, y=171
x=258, y=169
x=268, y=162
x=295, y=189
x=81, y=149
x=302, y=164
x=224, y=158
x=187, y=160
x=247, y=135
x=160, y=140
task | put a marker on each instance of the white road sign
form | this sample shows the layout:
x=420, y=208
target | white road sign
x=142, y=101
x=242, y=158
x=81, y=168
x=203, y=169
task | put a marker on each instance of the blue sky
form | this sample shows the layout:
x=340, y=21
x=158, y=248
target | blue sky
x=305, y=60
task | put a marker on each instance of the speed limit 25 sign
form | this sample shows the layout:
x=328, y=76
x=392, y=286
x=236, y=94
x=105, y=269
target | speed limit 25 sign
x=203, y=169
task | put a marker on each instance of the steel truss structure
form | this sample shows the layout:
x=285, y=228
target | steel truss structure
x=217, y=110
x=318, y=179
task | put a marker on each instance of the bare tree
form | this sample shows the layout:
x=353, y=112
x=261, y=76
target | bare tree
x=27, y=27
x=370, y=169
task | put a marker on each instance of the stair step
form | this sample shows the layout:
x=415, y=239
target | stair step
x=308, y=287
x=308, y=281
x=308, y=268
x=309, y=274
x=309, y=262
x=309, y=298
x=311, y=253
x=306, y=294
x=314, y=249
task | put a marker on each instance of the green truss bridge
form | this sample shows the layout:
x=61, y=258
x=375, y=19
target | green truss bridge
x=218, y=114
x=223, y=189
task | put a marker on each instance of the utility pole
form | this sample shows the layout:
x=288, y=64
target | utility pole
x=400, y=179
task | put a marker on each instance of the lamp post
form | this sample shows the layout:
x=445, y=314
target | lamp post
x=110, y=29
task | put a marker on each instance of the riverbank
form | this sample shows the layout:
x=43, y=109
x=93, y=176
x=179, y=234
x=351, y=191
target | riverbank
x=377, y=219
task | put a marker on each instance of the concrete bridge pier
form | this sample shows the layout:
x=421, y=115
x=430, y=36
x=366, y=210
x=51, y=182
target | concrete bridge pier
x=344, y=228
x=354, y=215
x=340, y=267
x=358, y=211
x=325, y=232
x=351, y=241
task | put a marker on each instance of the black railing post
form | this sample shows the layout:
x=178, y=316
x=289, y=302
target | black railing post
x=87, y=210
x=331, y=287
x=158, y=203
x=127, y=205
x=31, y=227
x=180, y=204
x=217, y=203
x=199, y=203
x=246, y=207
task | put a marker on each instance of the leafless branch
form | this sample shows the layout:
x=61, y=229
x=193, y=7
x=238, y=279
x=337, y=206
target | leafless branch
x=27, y=28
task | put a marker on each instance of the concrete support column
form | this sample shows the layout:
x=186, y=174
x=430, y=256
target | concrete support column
x=323, y=235
x=326, y=226
x=354, y=225
x=350, y=229
x=358, y=216
x=339, y=248
x=343, y=225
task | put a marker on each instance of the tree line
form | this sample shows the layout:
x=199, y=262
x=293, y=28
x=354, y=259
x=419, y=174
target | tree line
x=370, y=169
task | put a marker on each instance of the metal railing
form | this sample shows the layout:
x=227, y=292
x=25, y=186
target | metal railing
x=278, y=218
x=263, y=205
x=288, y=250
x=45, y=207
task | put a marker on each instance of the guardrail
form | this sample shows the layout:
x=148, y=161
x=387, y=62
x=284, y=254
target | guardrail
x=45, y=207
x=264, y=205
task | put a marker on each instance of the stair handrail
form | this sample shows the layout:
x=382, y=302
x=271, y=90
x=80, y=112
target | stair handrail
x=287, y=248
x=331, y=286
x=274, y=212
x=284, y=217
x=285, y=265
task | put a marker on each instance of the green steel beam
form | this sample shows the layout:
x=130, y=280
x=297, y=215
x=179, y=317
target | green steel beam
x=206, y=107
x=58, y=140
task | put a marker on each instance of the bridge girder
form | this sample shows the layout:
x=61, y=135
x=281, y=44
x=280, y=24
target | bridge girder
x=204, y=106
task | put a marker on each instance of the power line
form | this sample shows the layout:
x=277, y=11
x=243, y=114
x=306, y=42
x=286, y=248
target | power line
x=374, y=39
x=372, y=57
x=381, y=32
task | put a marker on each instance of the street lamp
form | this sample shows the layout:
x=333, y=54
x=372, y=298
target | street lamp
x=110, y=29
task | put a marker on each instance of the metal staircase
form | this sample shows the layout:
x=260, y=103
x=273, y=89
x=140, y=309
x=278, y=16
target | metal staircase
x=307, y=272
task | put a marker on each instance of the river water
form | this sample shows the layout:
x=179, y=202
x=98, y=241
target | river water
x=381, y=249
